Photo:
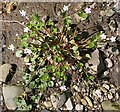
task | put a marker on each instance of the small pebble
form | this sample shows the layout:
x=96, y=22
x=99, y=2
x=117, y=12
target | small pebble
x=108, y=63
x=110, y=96
x=106, y=86
x=79, y=107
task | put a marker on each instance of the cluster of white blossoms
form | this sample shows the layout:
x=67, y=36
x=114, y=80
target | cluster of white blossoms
x=63, y=88
x=27, y=51
x=112, y=39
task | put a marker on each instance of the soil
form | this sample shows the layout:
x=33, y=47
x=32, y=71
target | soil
x=9, y=30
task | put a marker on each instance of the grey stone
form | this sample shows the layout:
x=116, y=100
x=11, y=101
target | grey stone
x=96, y=62
x=108, y=63
x=113, y=50
x=102, y=13
x=47, y=104
x=9, y=93
x=117, y=6
x=107, y=105
x=109, y=12
x=79, y=107
x=112, y=25
x=4, y=71
x=106, y=73
x=89, y=101
x=57, y=99
x=69, y=104
x=44, y=110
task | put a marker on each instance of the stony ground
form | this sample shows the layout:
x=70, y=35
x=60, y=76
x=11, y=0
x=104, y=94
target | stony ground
x=109, y=68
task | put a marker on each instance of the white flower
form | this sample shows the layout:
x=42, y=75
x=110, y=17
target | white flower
x=98, y=92
x=88, y=10
x=103, y=36
x=11, y=47
x=27, y=17
x=23, y=13
x=27, y=51
x=53, y=78
x=63, y=88
x=65, y=8
x=113, y=39
x=26, y=29
x=4, y=46
x=16, y=35
x=23, y=23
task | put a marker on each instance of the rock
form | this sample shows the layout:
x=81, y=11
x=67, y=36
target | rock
x=108, y=63
x=89, y=101
x=102, y=13
x=9, y=93
x=47, y=104
x=110, y=96
x=58, y=100
x=117, y=6
x=106, y=86
x=79, y=107
x=77, y=17
x=4, y=71
x=103, y=89
x=112, y=25
x=77, y=88
x=113, y=50
x=96, y=62
x=117, y=95
x=45, y=110
x=107, y=105
x=109, y=12
x=69, y=104
x=1, y=98
x=106, y=73
x=83, y=102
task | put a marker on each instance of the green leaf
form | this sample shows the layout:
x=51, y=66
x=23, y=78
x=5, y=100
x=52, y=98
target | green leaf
x=29, y=107
x=88, y=56
x=92, y=78
x=54, y=30
x=32, y=85
x=75, y=48
x=83, y=15
x=50, y=23
x=44, y=46
x=32, y=34
x=26, y=59
x=51, y=84
x=72, y=41
x=42, y=86
x=32, y=68
x=45, y=77
x=65, y=78
x=33, y=98
x=19, y=53
x=91, y=45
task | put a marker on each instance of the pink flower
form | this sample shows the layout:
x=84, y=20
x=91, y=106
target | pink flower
x=103, y=36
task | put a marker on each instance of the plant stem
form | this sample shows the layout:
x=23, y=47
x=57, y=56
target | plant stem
x=12, y=21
